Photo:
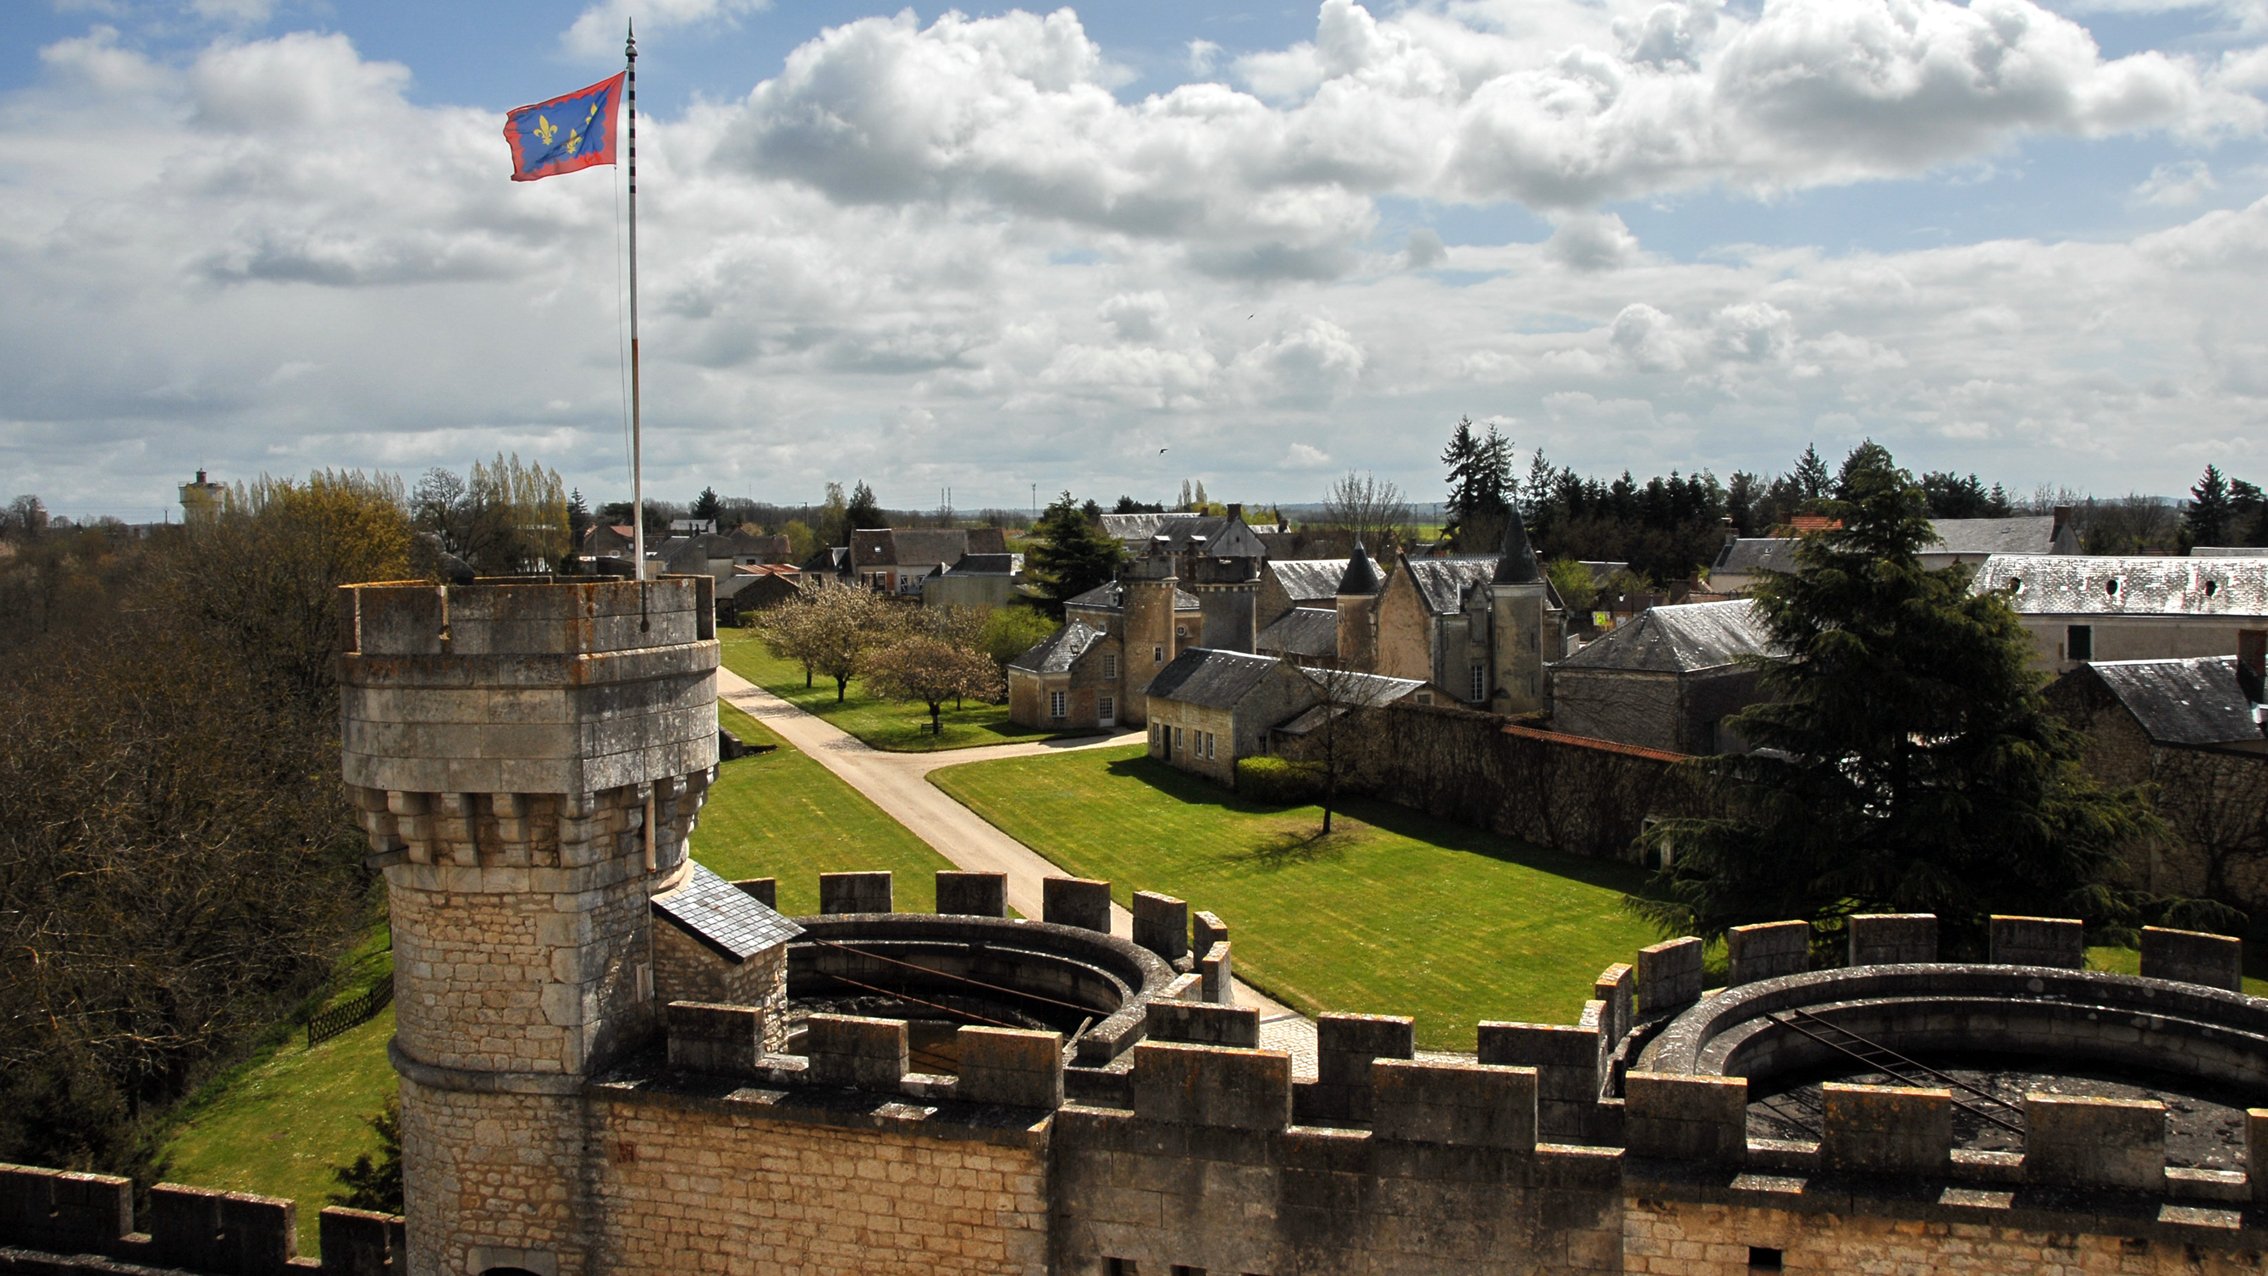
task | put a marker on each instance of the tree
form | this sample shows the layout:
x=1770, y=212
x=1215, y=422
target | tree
x=2206, y=520
x=708, y=506
x=829, y=629
x=1069, y=555
x=1369, y=509
x=930, y=669
x=1011, y=631
x=1906, y=760
x=506, y=517
x=1480, y=487
x=1810, y=477
x=863, y=511
x=375, y=1183
x=1128, y=505
x=801, y=540
x=834, y=517
x=578, y=517
x=1572, y=581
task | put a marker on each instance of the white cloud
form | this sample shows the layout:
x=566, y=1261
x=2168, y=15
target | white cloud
x=2177, y=184
x=239, y=12
x=1592, y=241
x=1647, y=338
x=599, y=29
x=1203, y=56
x=1424, y=249
x=1303, y=456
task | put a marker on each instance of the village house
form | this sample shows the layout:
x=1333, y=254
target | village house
x=896, y=560
x=1744, y=561
x=2079, y=608
x=1666, y=680
x=1069, y=681
x=2191, y=729
x=978, y=580
x=753, y=588
x=1482, y=628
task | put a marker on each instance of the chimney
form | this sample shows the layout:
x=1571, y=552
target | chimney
x=1732, y=529
x=2251, y=656
x=2062, y=519
x=1236, y=512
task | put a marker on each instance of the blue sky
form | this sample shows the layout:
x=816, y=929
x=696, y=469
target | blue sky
x=989, y=248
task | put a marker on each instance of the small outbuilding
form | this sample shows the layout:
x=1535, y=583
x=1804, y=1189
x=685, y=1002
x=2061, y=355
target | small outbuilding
x=1666, y=680
x=1068, y=681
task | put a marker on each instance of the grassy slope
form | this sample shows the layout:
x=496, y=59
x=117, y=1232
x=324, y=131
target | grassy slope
x=783, y=815
x=1393, y=914
x=885, y=724
x=278, y=1125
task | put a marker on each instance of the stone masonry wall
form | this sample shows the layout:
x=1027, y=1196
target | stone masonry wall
x=685, y=1185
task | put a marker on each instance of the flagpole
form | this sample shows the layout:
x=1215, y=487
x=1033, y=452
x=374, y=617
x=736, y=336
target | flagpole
x=637, y=467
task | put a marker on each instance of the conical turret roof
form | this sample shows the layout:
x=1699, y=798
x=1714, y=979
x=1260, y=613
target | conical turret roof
x=1517, y=564
x=1362, y=574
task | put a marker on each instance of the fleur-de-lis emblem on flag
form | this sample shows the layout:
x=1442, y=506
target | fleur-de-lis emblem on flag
x=541, y=147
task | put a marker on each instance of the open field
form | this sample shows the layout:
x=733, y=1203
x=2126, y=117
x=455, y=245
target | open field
x=885, y=724
x=1394, y=913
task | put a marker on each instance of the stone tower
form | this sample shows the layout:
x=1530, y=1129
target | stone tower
x=1148, y=641
x=1523, y=625
x=1228, y=596
x=1358, y=611
x=527, y=760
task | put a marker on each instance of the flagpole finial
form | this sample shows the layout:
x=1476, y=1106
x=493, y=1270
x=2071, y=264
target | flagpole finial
x=630, y=39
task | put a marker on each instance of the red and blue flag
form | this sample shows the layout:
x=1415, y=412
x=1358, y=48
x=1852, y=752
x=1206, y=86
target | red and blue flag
x=564, y=134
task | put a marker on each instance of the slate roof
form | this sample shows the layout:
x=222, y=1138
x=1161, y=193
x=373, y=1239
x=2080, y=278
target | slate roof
x=1112, y=597
x=1684, y=638
x=1208, y=534
x=1308, y=580
x=725, y=919
x=1441, y=582
x=1302, y=631
x=1361, y=575
x=1057, y=652
x=1361, y=690
x=1748, y=555
x=2193, y=701
x=1210, y=678
x=988, y=564
x=1137, y=527
x=2096, y=585
x=1516, y=561
x=2031, y=534
x=927, y=546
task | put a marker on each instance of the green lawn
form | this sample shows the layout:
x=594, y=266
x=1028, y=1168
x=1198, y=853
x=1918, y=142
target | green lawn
x=885, y=724
x=781, y=814
x=1395, y=913
x=280, y=1124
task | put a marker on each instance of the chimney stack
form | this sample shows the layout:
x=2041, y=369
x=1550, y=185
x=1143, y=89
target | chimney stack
x=2251, y=657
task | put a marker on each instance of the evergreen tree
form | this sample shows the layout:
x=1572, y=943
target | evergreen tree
x=707, y=506
x=1810, y=476
x=1480, y=487
x=863, y=511
x=2206, y=521
x=578, y=517
x=1907, y=762
x=1069, y=555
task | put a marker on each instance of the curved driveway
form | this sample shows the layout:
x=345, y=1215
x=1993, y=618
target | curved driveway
x=899, y=784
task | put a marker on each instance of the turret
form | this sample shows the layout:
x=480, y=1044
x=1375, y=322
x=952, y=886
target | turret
x=1524, y=625
x=527, y=760
x=1149, y=586
x=1358, y=593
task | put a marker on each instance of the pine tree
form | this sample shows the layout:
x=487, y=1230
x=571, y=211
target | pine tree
x=1069, y=555
x=863, y=511
x=1906, y=760
x=2206, y=521
x=1810, y=475
x=707, y=505
x=1480, y=486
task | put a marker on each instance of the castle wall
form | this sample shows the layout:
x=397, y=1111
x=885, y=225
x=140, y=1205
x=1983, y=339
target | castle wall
x=687, y=1184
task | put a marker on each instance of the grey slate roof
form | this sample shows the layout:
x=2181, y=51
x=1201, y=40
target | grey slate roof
x=987, y=564
x=1137, y=527
x=1361, y=575
x=2193, y=701
x=2096, y=585
x=1302, y=631
x=2030, y=534
x=725, y=919
x=1516, y=561
x=1057, y=652
x=1684, y=638
x=1112, y=597
x=1442, y=582
x=1749, y=555
x=1210, y=678
x=1308, y=580
x=1363, y=688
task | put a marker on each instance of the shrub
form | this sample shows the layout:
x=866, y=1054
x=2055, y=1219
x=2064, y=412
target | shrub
x=1279, y=781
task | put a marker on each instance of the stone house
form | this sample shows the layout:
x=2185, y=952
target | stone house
x=2191, y=729
x=751, y=589
x=897, y=560
x=2083, y=607
x=1303, y=635
x=1484, y=629
x=1743, y=561
x=1209, y=708
x=1070, y=680
x=1665, y=680
x=978, y=580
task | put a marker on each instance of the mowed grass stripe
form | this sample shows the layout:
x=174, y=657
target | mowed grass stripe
x=885, y=724
x=1395, y=913
x=782, y=814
